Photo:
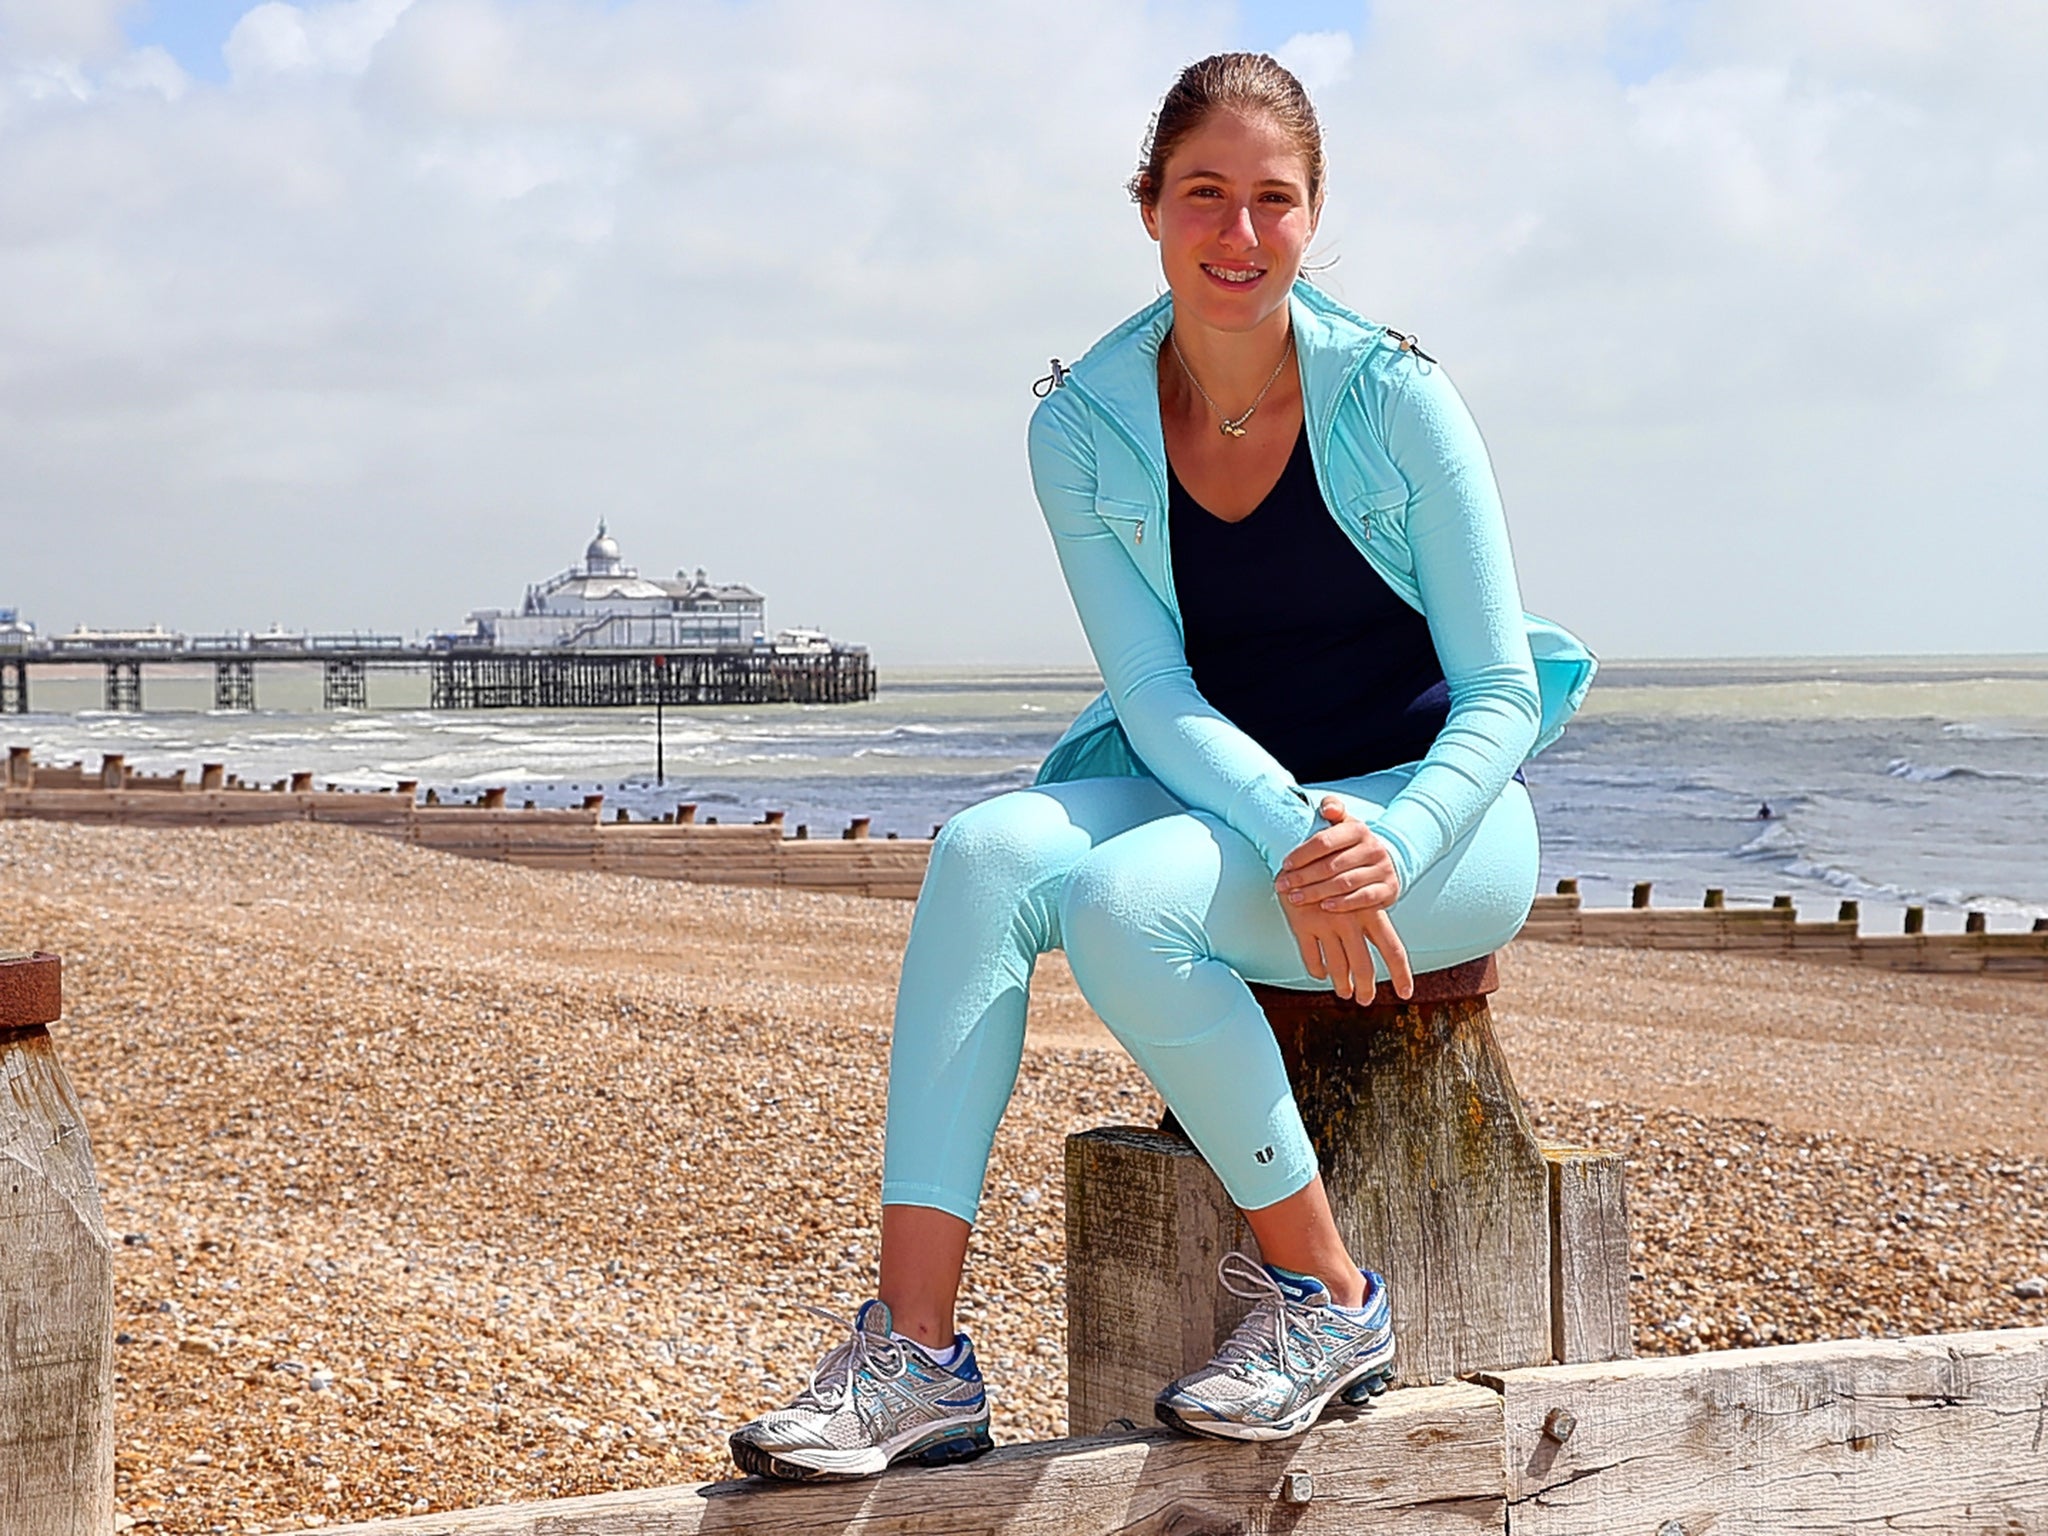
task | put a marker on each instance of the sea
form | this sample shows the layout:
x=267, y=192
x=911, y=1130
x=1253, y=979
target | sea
x=1891, y=781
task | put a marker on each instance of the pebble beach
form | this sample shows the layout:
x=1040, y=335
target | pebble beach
x=439, y=1183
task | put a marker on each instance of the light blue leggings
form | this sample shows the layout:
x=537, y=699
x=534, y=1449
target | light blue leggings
x=1165, y=913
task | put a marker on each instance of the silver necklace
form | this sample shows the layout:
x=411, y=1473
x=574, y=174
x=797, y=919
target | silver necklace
x=1228, y=426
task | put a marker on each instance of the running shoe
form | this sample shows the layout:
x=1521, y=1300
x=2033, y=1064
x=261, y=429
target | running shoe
x=872, y=1401
x=1294, y=1351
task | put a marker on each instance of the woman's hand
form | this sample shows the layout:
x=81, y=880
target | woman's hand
x=1337, y=947
x=1335, y=889
x=1344, y=866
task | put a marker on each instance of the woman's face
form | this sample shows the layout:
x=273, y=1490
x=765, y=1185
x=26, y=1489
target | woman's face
x=1233, y=220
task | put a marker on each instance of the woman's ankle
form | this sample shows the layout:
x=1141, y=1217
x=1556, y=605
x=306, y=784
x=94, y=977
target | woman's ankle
x=1351, y=1295
x=934, y=1333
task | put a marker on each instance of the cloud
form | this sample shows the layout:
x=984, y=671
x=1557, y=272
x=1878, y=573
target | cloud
x=335, y=38
x=373, y=332
x=1317, y=59
x=78, y=30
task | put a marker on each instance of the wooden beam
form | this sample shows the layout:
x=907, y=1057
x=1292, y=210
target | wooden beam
x=56, y=1280
x=1936, y=1434
x=1421, y=1462
x=1589, y=1255
x=1146, y=1222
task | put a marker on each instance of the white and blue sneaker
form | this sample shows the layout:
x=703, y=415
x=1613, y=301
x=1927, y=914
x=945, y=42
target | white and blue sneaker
x=875, y=1399
x=1294, y=1351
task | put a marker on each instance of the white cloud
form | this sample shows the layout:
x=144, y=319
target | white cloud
x=70, y=29
x=1317, y=59
x=333, y=38
x=767, y=284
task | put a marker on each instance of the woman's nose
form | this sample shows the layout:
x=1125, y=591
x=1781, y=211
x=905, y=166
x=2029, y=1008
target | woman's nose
x=1239, y=234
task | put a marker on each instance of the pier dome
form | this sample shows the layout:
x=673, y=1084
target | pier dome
x=602, y=556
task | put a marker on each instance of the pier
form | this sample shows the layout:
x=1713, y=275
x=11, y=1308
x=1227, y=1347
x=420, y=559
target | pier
x=482, y=678
x=595, y=636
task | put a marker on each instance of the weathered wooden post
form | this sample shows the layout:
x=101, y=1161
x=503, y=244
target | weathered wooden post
x=21, y=767
x=56, y=1280
x=1495, y=1248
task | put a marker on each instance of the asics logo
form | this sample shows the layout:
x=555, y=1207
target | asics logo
x=1264, y=1154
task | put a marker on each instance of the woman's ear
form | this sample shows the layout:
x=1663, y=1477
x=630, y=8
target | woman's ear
x=1149, y=212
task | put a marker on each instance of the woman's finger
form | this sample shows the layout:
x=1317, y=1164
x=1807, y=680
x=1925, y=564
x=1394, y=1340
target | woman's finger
x=1343, y=831
x=1338, y=877
x=1352, y=855
x=1358, y=960
x=1379, y=929
x=1371, y=896
x=1311, y=954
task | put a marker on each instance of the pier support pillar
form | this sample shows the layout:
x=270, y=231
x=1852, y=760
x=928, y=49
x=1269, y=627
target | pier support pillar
x=14, y=688
x=344, y=685
x=234, y=685
x=124, y=687
x=56, y=1280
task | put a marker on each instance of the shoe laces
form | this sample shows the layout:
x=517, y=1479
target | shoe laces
x=1268, y=1316
x=832, y=1378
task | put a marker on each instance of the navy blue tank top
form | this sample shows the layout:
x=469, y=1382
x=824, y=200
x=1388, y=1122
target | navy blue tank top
x=1296, y=639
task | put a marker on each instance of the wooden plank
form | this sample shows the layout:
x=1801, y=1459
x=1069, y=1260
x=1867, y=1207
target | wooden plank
x=1433, y=1171
x=1423, y=1462
x=1588, y=1255
x=1124, y=1320
x=56, y=1304
x=1936, y=1434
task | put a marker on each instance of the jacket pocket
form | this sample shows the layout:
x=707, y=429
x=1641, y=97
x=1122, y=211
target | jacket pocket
x=1375, y=512
x=1125, y=519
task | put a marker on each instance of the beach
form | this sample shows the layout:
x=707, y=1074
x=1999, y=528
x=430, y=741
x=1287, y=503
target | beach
x=439, y=1183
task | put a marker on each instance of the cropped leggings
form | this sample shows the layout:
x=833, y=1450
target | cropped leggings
x=1165, y=913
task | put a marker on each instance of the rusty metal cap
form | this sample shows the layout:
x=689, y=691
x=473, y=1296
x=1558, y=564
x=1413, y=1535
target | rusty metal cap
x=31, y=989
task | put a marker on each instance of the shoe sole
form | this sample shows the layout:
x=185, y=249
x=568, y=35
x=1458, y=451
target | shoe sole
x=941, y=1448
x=1372, y=1380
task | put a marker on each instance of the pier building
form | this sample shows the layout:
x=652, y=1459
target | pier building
x=605, y=604
x=596, y=635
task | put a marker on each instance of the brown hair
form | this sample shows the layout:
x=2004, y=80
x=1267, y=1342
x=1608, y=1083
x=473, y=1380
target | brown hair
x=1230, y=82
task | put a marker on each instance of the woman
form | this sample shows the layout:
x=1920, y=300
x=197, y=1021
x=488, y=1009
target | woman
x=1303, y=771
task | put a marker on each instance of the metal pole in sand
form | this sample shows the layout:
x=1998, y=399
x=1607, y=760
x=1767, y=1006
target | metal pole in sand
x=660, y=691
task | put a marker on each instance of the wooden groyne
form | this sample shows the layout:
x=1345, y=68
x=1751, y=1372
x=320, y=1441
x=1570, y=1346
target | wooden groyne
x=1779, y=930
x=765, y=853
x=771, y=852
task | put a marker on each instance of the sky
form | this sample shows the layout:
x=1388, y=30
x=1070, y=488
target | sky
x=360, y=314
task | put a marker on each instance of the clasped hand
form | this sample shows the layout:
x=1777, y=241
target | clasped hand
x=1335, y=889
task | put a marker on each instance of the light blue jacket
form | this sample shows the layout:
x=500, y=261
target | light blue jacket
x=1403, y=470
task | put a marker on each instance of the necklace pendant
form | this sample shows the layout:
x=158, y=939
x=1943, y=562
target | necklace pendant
x=1230, y=429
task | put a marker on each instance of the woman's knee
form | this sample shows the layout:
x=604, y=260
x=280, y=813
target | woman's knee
x=1002, y=847
x=1477, y=896
x=1131, y=924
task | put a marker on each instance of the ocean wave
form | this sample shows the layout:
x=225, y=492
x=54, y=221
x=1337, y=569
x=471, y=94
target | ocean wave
x=1921, y=773
x=1775, y=840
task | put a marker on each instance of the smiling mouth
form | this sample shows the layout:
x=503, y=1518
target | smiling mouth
x=1236, y=277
